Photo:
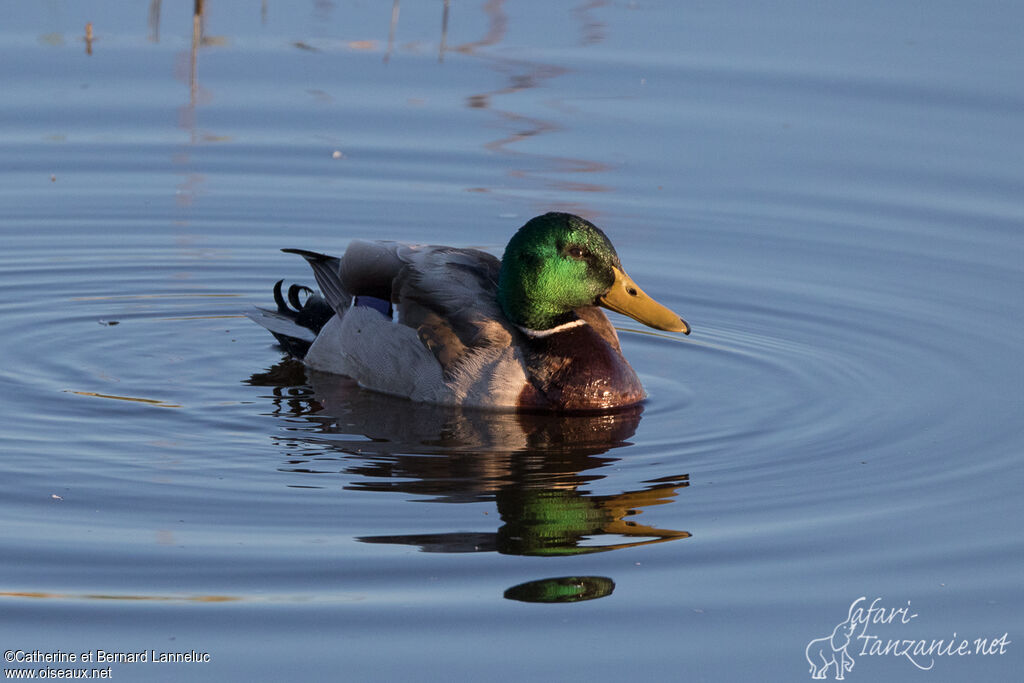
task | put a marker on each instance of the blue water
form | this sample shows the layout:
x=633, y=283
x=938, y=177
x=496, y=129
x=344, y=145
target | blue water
x=830, y=194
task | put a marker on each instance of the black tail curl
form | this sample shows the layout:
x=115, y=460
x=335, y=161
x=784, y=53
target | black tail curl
x=312, y=313
x=296, y=322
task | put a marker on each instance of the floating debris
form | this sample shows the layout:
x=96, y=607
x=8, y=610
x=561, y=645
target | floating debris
x=119, y=596
x=135, y=399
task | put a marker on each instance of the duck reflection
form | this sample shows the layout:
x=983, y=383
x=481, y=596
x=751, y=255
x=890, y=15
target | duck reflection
x=536, y=468
x=539, y=521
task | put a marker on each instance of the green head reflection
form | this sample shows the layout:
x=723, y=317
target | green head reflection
x=570, y=522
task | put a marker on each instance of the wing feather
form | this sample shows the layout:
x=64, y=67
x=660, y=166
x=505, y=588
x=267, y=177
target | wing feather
x=448, y=295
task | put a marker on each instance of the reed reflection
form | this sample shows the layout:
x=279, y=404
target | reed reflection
x=536, y=468
x=554, y=172
x=519, y=117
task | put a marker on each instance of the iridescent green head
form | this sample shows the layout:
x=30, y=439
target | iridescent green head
x=559, y=262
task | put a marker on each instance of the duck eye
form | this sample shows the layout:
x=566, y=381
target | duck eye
x=576, y=252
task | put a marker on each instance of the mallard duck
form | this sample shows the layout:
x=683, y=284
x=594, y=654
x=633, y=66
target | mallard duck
x=459, y=327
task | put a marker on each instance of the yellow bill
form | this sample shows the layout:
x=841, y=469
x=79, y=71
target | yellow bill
x=626, y=298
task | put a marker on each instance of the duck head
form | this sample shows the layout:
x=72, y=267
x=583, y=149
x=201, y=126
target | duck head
x=559, y=262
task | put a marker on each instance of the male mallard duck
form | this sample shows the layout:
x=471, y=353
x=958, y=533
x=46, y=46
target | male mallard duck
x=523, y=333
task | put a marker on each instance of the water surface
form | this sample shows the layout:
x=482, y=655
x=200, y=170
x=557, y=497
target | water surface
x=830, y=195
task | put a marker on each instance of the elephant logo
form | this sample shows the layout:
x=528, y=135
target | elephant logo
x=831, y=651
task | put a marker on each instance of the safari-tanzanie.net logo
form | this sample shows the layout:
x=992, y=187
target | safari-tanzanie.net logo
x=873, y=630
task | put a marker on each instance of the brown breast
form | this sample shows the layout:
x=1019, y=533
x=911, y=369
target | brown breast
x=577, y=369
